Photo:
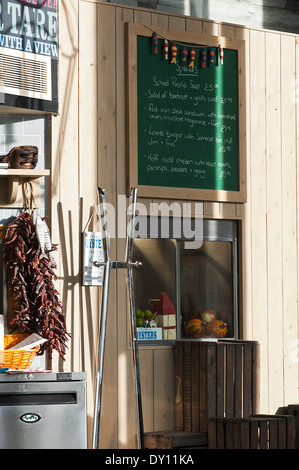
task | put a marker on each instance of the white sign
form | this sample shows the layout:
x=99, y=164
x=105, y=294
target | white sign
x=30, y=342
x=149, y=334
x=92, y=251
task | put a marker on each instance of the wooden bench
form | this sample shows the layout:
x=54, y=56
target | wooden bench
x=212, y=379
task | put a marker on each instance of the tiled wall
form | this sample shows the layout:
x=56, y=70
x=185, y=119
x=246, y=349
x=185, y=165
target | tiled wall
x=23, y=130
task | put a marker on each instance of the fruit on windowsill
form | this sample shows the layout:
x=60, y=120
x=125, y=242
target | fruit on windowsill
x=195, y=328
x=139, y=322
x=147, y=315
x=208, y=316
x=216, y=328
x=145, y=318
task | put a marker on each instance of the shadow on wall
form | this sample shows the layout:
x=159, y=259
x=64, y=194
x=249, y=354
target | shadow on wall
x=278, y=15
x=71, y=277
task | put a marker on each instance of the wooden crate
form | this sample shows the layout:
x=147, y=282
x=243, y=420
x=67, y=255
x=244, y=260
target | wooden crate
x=254, y=432
x=212, y=379
x=215, y=379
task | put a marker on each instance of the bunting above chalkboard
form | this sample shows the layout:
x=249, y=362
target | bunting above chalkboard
x=189, y=54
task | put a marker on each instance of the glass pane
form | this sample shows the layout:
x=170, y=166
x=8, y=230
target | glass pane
x=155, y=288
x=206, y=290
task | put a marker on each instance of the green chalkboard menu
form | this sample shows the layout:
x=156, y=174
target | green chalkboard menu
x=187, y=125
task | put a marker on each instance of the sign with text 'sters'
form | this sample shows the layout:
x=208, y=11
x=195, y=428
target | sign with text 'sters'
x=29, y=54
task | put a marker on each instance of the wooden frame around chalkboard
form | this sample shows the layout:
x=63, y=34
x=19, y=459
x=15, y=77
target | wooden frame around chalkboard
x=133, y=31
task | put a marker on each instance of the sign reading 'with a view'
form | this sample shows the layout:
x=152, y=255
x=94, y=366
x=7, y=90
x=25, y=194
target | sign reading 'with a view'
x=29, y=54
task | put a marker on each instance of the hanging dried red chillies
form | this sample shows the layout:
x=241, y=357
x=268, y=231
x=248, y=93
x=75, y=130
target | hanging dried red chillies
x=37, y=308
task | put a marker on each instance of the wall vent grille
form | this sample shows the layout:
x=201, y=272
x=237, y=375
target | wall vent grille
x=25, y=74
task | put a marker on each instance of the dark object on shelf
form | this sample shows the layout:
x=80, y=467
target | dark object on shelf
x=24, y=157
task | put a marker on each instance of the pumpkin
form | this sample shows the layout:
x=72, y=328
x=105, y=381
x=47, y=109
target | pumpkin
x=195, y=327
x=216, y=328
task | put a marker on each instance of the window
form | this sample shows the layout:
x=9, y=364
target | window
x=188, y=293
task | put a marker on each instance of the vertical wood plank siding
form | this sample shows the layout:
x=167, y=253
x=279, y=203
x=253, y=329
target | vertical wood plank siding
x=89, y=149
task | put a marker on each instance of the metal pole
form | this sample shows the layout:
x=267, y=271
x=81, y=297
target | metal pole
x=129, y=265
x=102, y=335
x=135, y=358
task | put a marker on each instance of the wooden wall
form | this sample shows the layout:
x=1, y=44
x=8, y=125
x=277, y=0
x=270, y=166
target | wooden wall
x=88, y=148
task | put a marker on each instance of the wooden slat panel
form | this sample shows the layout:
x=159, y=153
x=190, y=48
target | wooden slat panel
x=239, y=373
x=273, y=434
x=274, y=225
x=289, y=191
x=221, y=430
x=244, y=434
x=247, y=380
x=187, y=386
x=230, y=392
x=195, y=386
x=255, y=378
x=126, y=421
x=220, y=371
x=263, y=425
x=210, y=28
x=212, y=433
x=107, y=137
x=229, y=433
x=89, y=297
x=282, y=434
x=194, y=26
x=258, y=225
x=179, y=392
x=211, y=379
x=160, y=20
x=177, y=22
x=253, y=434
x=291, y=432
x=227, y=30
x=147, y=387
x=142, y=16
x=237, y=433
x=203, y=389
x=163, y=397
x=64, y=180
x=246, y=325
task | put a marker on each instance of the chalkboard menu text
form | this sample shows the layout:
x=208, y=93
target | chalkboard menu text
x=186, y=123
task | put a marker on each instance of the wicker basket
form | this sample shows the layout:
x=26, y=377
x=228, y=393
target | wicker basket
x=16, y=358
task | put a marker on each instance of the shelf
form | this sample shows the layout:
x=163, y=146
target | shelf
x=15, y=178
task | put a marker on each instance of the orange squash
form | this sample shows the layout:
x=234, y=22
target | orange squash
x=216, y=328
x=195, y=328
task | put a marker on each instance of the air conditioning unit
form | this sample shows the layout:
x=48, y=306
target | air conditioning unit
x=25, y=74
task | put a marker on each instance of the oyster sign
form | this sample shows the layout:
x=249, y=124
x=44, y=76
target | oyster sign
x=29, y=38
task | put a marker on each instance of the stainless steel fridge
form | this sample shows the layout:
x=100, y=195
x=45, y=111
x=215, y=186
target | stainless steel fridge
x=43, y=411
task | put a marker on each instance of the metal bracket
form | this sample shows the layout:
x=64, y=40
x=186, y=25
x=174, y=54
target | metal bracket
x=118, y=264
